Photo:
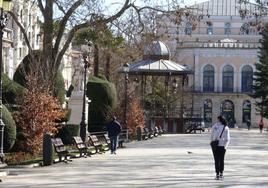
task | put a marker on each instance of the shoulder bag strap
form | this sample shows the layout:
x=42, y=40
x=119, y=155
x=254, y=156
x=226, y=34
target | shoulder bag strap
x=222, y=131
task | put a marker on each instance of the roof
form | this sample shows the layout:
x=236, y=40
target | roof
x=220, y=7
x=156, y=62
x=158, y=67
x=156, y=50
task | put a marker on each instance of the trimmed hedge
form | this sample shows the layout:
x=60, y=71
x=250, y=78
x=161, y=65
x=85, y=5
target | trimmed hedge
x=67, y=132
x=9, y=129
x=102, y=94
x=25, y=67
x=11, y=90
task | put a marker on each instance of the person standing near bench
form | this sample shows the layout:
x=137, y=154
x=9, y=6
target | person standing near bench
x=113, y=129
x=221, y=137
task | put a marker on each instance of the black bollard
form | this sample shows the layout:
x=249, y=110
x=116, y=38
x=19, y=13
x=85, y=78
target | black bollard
x=139, y=136
x=47, y=150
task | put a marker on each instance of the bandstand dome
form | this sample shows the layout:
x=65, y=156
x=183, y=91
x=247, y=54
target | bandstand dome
x=156, y=61
x=156, y=50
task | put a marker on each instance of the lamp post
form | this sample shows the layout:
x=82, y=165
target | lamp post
x=125, y=70
x=83, y=124
x=5, y=5
x=184, y=81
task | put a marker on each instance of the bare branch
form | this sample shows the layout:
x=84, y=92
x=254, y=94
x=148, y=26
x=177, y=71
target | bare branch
x=88, y=24
x=64, y=21
x=60, y=7
x=22, y=29
x=41, y=6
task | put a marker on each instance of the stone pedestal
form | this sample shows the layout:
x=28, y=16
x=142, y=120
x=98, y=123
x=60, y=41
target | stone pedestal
x=76, y=104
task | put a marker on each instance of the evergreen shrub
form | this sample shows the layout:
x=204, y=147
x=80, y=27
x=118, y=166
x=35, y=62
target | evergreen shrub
x=9, y=129
x=102, y=94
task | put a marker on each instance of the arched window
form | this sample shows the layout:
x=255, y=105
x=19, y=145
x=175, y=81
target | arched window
x=208, y=78
x=208, y=110
x=227, y=110
x=246, y=111
x=228, y=79
x=247, y=79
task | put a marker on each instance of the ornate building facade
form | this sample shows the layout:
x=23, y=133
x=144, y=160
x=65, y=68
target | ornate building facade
x=222, y=49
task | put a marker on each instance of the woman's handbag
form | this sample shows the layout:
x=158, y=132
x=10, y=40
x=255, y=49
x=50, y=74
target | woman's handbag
x=215, y=143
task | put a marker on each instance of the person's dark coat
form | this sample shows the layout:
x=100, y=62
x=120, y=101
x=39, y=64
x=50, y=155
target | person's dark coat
x=113, y=128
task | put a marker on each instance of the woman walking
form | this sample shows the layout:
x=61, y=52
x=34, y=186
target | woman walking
x=261, y=125
x=220, y=138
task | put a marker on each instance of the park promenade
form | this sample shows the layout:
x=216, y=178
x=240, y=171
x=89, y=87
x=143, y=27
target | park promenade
x=179, y=160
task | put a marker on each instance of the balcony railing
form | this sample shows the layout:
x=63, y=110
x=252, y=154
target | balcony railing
x=197, y=44
x=236, y=90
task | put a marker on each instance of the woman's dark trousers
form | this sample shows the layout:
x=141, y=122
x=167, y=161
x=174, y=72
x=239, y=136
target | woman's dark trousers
x=219, y=159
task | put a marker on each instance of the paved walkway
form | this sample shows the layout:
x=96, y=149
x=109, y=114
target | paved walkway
x=166, y=161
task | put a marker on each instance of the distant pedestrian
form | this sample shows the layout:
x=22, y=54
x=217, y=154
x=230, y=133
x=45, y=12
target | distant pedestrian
x=248, y=124
x=261, y=125
x=220, y=138
x=235, y=125
x=113, y=128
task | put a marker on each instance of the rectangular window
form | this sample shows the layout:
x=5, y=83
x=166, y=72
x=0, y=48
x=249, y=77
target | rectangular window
x=209, y=28
x=227, y=28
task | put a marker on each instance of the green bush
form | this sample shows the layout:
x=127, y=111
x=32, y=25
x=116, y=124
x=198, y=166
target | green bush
x=67, y=132
x=24, y=69
x=102, y=94
x=11, y=90
x=9, y=129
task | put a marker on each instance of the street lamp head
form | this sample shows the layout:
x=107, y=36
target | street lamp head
x=126, y=68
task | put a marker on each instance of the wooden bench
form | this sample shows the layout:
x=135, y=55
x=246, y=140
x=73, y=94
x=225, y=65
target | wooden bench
x=83, y=148
x=122, y=137
x=104, y=141
x=107, y=139
x=94, y=141
x=60, y=149
x=144, y=135
x=150, y=134
x=155, y=131
x=161, y=131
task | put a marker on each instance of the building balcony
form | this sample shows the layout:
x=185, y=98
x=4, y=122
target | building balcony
x=235, y=90
x=218, y=44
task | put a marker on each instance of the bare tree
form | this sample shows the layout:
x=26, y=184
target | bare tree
x=73, y=16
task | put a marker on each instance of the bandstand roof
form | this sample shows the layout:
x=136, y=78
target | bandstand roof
x=158, y=67
x=156, y=62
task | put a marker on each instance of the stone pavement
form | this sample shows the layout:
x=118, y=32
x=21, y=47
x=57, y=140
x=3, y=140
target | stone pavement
x=166, y=161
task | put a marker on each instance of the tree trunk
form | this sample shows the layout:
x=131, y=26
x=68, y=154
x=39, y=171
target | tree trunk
x=47, y=63
x=96, y=60
x=107, y=67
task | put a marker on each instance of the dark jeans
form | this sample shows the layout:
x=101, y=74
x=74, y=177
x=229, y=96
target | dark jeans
x=113, y=143
x=219, y=159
